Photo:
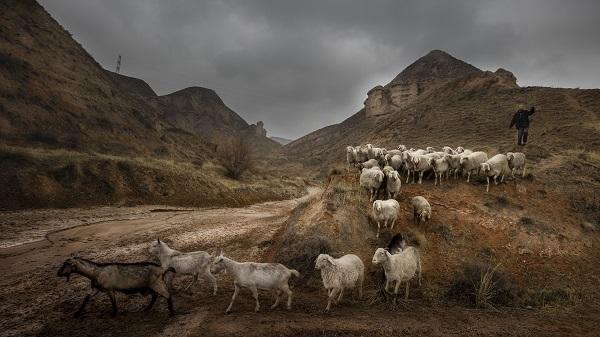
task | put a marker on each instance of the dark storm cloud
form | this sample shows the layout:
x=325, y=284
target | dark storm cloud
x=302, y=65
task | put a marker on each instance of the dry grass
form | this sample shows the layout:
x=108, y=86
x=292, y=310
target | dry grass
x=486, y=288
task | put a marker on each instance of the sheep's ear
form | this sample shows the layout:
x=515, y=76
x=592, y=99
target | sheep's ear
x=330, y=259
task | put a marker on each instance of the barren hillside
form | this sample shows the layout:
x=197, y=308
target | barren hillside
x=72, y=133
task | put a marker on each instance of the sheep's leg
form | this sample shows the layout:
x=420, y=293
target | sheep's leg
x=512, y=172
x=397, y=287
x=523, y=176
x=287, y=290
x=339, y=299
x=378, y=228
x=113, y=303
x=435, y=179
x=468, y=176
x=235, y=293
x=407, y=175
x=406, y=292
x=170, y=305
x=152, y=301
x=387, y=284
x=89, y=296
x=212, y=278
x=278, y=293
x=495, y=181
x=487, y=189
x=502, y=180
x=393, y=223
x=255, y=295
x=331, y=296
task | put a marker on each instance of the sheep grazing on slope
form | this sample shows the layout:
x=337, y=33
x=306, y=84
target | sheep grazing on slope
x=399, y=267
x=347, y=272
x=440, y=167
x=371, y=179
x=351, y=157
x=143, y=277
x=196, y=263
x=421, y=209
x=495, y=167
x=516, y=161
x=368, y=164
x=254, y=276
x=393, y=184
x=470, y=163
x=385, y=211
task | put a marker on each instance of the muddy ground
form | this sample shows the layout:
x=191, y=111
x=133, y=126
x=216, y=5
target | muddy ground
x=33, y=301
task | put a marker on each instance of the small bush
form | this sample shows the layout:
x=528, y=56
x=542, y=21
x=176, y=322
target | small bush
x=481, y=285
x=300, y=253
x=235, y=157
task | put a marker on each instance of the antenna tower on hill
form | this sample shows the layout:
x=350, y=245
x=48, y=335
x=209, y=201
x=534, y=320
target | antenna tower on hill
x=118, y=64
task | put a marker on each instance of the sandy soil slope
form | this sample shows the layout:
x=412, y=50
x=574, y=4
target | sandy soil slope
x=33, y=301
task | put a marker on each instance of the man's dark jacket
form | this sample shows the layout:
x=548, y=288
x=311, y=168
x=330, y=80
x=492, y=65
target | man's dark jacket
x=521, y=118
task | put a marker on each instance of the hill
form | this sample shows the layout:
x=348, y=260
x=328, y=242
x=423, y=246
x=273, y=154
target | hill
x=280, y=140
x=73, y=133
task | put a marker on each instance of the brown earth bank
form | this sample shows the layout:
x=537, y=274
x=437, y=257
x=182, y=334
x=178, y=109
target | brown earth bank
x=548, y=264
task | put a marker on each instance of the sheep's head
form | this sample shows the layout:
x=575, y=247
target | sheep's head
x=350, y=149
x=510, y=156
x=155, y=246
x=431, y=161
x=460, y=149
x=401, y=147
x=377, y=204
x=380, y=256
x=463, y=160
x=430, y=149
x=324, y=261
x=423, y=215
x=485, y=167
x=68, y=267
x=394, y=175
x=218, y=263
x=414, y=159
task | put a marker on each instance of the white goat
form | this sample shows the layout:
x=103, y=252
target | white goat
x=516, y=161
x=254, y=276
x=196, y=263
x=399, y=267
x=347, y=272
x=495, y=167
x=384, y=211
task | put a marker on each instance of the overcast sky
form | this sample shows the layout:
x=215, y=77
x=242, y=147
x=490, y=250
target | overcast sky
x=301, y=65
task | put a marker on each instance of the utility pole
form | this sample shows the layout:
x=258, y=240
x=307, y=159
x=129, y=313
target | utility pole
x=118, y=64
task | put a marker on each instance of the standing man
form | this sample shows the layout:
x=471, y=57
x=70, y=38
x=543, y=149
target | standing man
x=521, y=121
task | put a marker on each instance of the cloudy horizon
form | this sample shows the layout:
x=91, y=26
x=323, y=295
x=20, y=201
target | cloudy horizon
x=300, y=66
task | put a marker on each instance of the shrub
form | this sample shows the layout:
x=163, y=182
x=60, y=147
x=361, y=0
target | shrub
x=235, y=157
x=300, y=253
x=482, y=285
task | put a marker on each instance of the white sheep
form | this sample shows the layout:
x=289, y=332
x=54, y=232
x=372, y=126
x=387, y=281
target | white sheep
x=459, y=149
x=254, y=276
x=196, y=263
x=430, y=149
x=470, y=163
x=402, y=147
x=516, y=161
x=396, y=162
x=385, y=211
x=368, y=164
x=361, y=154
x=393, y=184
x=448, y=150
x=421, y=163
x=375, y=152
x=371, y=179
x=495, y=167
x=399, y=267
x=421, y=209
x=351, y=157
x=346, y=272
x=440, y=167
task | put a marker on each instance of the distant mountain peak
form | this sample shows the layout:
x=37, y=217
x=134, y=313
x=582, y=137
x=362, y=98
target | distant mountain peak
x=435, y=65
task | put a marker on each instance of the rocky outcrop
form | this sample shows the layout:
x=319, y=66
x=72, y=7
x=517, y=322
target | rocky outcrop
x=131, y=85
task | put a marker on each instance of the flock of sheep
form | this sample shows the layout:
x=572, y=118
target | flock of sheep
x=148, y=278
x=380, y=172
